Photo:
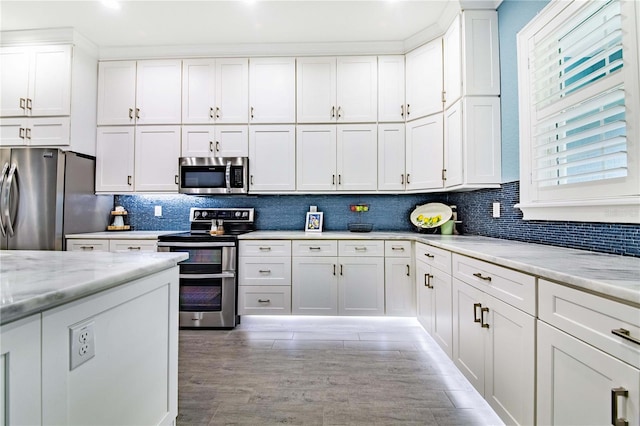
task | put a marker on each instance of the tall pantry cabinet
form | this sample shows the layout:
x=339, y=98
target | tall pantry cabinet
x=139, y=116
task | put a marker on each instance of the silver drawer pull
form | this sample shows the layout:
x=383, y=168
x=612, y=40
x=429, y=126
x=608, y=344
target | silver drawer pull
x=264, y=301
x=615, y=393
x=626, y=334
x=429, y=255
x=86, y=247
x=315, y=248
x=397, y=248
x=134, y=248
x=479, y=275
x=360, y=249
x=265, y=271
x=265, y=248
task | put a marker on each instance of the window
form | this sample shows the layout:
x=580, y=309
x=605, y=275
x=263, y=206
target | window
x=579, y=112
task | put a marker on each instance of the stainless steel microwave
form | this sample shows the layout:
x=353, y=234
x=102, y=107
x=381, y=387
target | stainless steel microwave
x=213, y=175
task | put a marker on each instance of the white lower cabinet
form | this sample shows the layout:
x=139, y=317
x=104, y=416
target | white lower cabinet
x=588, y=366
x=400, y=291
x=315, y=286
x=20, y=367
x=494, y=348
x=361, y=286
x=264, y=277
x=113, y=245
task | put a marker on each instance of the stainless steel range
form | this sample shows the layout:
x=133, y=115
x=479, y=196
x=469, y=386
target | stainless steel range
x=208, y=279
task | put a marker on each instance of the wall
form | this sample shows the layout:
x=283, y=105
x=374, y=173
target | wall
x=391, y=212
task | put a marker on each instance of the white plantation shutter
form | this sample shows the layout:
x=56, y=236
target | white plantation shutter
x=579, y=100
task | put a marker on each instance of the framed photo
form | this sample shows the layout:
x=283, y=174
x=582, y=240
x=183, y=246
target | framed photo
x=313, y=222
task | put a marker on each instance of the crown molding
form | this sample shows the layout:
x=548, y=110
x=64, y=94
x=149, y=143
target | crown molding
x=65, y=35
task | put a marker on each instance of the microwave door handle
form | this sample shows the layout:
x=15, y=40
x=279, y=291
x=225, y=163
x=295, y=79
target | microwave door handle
x=3, y=178
x=227, y=176
x=6, y=194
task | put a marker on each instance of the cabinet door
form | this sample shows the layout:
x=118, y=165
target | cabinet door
x=361, y=286
x=442, y=333
x=198, y=141
x=156, y=158
x=20, y=368
x=510, y=362
x=314, y=287
x=232, y=90
x=391, y=105
x=424, y=80
x=357, y=89
x=159, y=92
x=357, y=157
x=400, y=299
x=49, y=131
x=272, y=155
x=424, y=293
x=50, y=82
x=198, y=91
x=14, y=80
x=316, y=90
x=13, y=131
x=272, y=90
x=468, y=335
x=481, y=53
x=391, y=157
x=264, y=270
x=424, y=153
x=231, y=141
x=87, y=245
x=453, y=145
x=575, y=382
x=116, y=92
x=316, y=158
x=452, y=63
x=481, y=138
x=114, y=159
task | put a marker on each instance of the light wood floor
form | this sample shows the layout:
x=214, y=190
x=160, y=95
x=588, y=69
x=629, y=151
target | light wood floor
x=322, y=371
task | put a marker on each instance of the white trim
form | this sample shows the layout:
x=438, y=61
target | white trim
x=48, y=36
x=620, y=210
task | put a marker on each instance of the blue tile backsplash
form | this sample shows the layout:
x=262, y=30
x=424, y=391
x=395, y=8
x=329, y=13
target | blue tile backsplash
x=391, y=213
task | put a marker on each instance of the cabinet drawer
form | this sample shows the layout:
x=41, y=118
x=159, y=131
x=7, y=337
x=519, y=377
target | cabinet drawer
x=87, y=245
x=512, y=287
x=265, y=248
x=397, y=248
x=264, y=271
x=314, y=248
x=361, y=248
x=592, y=319
x=433, y=256
x=133, y=245
x=264, y=300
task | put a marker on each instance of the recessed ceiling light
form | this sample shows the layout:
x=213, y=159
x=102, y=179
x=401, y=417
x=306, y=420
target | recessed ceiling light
x=111, y=4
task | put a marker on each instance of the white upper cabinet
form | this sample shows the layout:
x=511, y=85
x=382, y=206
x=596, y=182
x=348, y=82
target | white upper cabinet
x=114, y=159
x=452, y=58
x=142, y=92
x=391, y=104
x=215, y=141
x=215, y=91
x=480, y=53
x=391, y=157
x=424, y=155
x=424, y=80
x=157, y=149
x=269, y=148
x=357, y=155
x=342, y=89
x=316, y=158
x=272, y=90
x=35, y=81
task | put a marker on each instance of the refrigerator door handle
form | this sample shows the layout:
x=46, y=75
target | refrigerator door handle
x=3, y=178
x=6, y=194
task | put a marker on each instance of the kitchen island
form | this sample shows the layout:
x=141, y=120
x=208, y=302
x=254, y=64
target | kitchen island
x=88, y=338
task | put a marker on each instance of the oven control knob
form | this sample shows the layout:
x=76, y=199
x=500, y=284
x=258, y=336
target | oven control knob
x=238, y=214
x=204, y=214
x=196, y=214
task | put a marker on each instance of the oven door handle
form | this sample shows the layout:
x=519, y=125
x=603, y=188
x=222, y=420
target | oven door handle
x=204, y=276
x=197, y=245
x=227, y=176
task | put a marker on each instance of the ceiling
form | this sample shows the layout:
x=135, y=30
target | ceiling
x=174, y=23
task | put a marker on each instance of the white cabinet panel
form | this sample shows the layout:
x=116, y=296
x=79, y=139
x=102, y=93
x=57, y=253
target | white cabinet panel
x=424, y=153
x=232, y=90
x=361, y=286
x=314, y=248
x=136, y=246
x=391, y=104
x=198, y=141
x=157, y=149
x=400, y=289
x=267, y=270
x=357, y=89
x=391, y=157
x=261, y=300
x=87, y=245
x=482, y=140
x=453, y=146
x=357, y=157
x=231, y=141
x=115, y=159
x=116, y=92
x=316, y=158
x=316, y=90
x=265, y=248
x=272, y=90
x=198, y=91
x=361, y=248
x=272, y=158
x=314, y=290
x=215, y=141
x=158, y=92
x=481, y=57
x=35, y=131
x=424, y=80
x=13, y=131
x=14, y=80
x=452, y=63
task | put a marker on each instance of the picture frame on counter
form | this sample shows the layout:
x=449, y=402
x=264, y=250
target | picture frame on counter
x=313, y=223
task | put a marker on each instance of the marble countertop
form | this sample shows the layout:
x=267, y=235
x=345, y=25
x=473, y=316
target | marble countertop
x=120, y=235
x=34, y=281
x=613, y=276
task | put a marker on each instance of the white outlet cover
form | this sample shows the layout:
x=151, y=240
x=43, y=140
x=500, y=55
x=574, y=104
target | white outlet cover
x=496, y=209
x=82, y=343
x=157, y=211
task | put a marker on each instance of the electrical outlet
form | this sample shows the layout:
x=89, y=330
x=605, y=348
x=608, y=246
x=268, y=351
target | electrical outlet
x=157, y=211
x=496, y=209
x=82, y=343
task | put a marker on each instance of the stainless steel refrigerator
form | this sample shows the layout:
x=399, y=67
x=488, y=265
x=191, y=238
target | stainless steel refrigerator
x=45, y=194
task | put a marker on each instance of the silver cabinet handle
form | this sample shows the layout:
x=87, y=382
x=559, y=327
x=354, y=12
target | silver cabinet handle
x=29, y=103
x=339, y=179
x=251, y=113
x=427, y=280
x=217, y=112
x=408, y=270
x=408, y=112
x=408, y=178
x=129, y=180
x=444, y=97
x=402, y=179
x=217, y=146
x=339, y=113
x=444, y=174
x=27, y=133
x=333, y=179
x=333, y=112
x=402, y=111
x=137, y=113
x=626, y=334
x=264, y=300
x=341, y=270
x=21, y=133
x=210, y=146
x=475, y=311
x=23, y=103
x=251, y=179
x=177, y=180
x=130, y=113
x=334, y=269
x=482, y=312
x=482, y=277
x=615, y=393
x=211, y=112
x=265, y=271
